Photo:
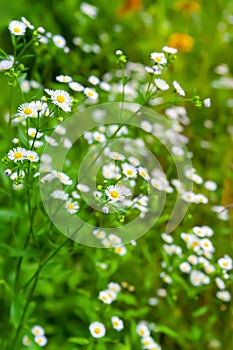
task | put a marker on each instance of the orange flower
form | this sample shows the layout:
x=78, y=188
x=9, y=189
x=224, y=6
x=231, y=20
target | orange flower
x=180, y=41
x=130, y=6
x=188, y=7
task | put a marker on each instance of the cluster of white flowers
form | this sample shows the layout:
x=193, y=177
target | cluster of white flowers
x=38, y=335
x=199, y=260
x=147, y=341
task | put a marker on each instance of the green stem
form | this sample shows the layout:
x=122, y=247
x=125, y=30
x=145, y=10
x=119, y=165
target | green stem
x=23, y=314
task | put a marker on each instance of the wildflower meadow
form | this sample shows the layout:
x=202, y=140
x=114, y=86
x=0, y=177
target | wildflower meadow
x=116, y=175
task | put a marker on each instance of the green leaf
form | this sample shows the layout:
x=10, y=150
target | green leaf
x=16, y=309
x=167, y=330
x=8, y=214
x=201, y=311
x=80, y=341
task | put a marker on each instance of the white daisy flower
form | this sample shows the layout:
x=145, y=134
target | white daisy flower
x=34, y=133
x=146, y=126
x=193, y=259
x=142, y=330
x=59, y=41
x=207, y=245
x=185, y=267
x=75, y=86
x=225, y=262
x=117, y=323
x=170, y=50
x=129, y=170
x=59, y=194
x=167, y=238
x=32, y=156
x=6, y=64
x=143, y=172
x=105, y=297
x=27, y=23
x=196, y=277
x=91, y=94
x=51, y=141
x=37, y=330
x=63, y=78
x=177, y=151
x=62, y=177
x=116, y=193
x=200, y=198
x=97, y=329
x=99, y=136
x=17, y=154
x=208, y=231
x=134, y=161
x=26, y=341
x=105, y=86
x=199, y=231
x=161, y=84
x=41, y=340
x=114, y=239
x=99, y=233
x=83, y=188
x=147, y=342
x=89, y=10
x=93, y=80
x=17, y=28
x=116, y=156
x=189, y=197
x=115, y=287
x=224, y=295
x=178, y=88
x=27, y=110
x=210, y=185
x=72, y=207
x=220, y=283
x=60, y=130
x=60, y=98
x=158, y=57
x=154, y=346
x=120, y=250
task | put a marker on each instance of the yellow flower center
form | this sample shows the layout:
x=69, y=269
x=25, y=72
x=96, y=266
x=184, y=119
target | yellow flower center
x=90, y=93
x=130, y=172
x=16, y=30
x=115, y=323
x=70, y=205
x=97, y=331
x=143, y=174
x=158, y=59
x=118, y=250
x=142, y=332
x=31, y=157
x=60, y=98
x=114, y=194
x=18, y=155
x=225, y=264
x=33, y=133
x=27, y=111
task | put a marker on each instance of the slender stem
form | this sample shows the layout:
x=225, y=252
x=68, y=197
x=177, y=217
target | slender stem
x=36, y=274
x=24, y=314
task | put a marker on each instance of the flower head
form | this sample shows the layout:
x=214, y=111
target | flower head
x=97, y=329
x=17, y=28
x=158, y=57
x=117, y=323
x=17, y=154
